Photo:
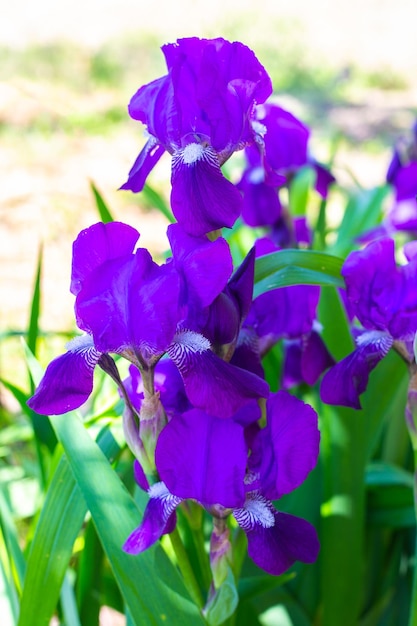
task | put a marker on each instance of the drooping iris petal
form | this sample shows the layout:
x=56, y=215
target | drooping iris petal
x=202, y=198
x=344, y=383
x=205, y=265
x=158, y=519
x=211, y=384
x=290, y=444
x=130, y=302
x=204, y=458
x=276, y=540
x=68, y=380
x=305, y=360
x=145, y=162
x=96, y=245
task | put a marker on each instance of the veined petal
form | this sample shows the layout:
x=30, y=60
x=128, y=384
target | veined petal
x=205, y=265
x=289, y=443
x=344, y=383
x=68, y=380
x=276, y=540
x=96, y=245
x=145, y=162
x=202, y=198
x=156, y=521
x=195, y=460
x=211, y=384
x=130, y=302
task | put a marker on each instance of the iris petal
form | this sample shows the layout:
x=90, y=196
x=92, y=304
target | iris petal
x=195, y=459
x=211, y=384
x=202, y=198
x=275, y=548
x=157, y=520
x=68, y=380
x=344, y=383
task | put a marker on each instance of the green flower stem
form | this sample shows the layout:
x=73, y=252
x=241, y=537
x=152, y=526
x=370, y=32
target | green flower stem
x=186, y=569
x=411, y=419
x=203, y=561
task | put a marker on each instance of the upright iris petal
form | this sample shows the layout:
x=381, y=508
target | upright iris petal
x=200, y=112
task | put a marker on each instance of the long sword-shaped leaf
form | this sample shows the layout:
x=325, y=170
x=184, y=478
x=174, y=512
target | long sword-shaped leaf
x=101, y=205
x=296, y=267
x=149, y=583
x=58, y=525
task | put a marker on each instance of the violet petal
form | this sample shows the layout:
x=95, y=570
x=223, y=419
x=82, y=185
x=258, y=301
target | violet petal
x=347, y=380
x=157, y=520
x=290, y=444
x=211, y=384
x=202, y=198
x=203, y=458
x=276, y=547
x=68, y=380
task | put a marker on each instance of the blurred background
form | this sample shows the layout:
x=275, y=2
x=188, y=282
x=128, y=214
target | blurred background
x=69, y=68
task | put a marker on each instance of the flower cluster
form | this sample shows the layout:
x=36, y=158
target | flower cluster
x=199, y=416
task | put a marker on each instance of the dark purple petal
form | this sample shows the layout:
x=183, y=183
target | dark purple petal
x=130, y=302
x=216, y=85
x=344, y=383
x=203, y=458
x=406, y=182
x=202, y=198
x=324, y=178
x=140, y=476
x=154, y=105
x=287, y=312
x=157, y=520
x=286, y=137
x=394, y=167
x=240, y=286
x=211, y=384
x=402, y=217
x=290, y=444
x=291, y=368
x=145, y=162
x=302, y=232
x=276, y=540
x=68, y=380
x=261, y=205
x=168, y=383
x=205, y=265
x=315, y=358
x=247, y=354
x=96, y=245
x=381, y=294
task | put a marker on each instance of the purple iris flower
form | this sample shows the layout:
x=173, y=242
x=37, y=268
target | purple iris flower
x=279, y=153
x=195, y=461
x=128, y=305
x=200, y=112
x=383, y=298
